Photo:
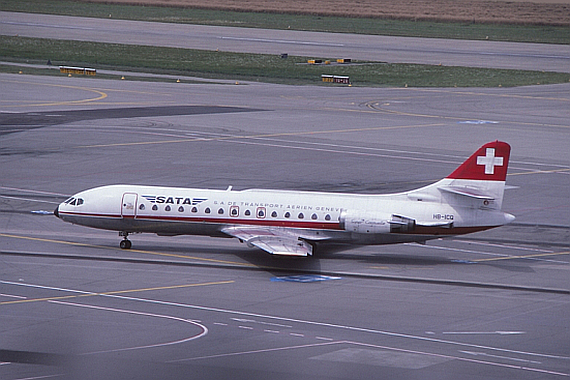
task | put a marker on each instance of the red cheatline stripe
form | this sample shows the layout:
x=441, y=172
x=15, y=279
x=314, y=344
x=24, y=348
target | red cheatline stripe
x=254, y=222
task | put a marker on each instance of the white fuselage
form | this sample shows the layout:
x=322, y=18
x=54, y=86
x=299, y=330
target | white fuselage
x=361, y=219
x=292, y=222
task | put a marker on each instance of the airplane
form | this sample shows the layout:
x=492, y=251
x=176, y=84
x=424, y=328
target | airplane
x=293, y=223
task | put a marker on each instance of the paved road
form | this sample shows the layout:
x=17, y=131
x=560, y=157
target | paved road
x=310, y=44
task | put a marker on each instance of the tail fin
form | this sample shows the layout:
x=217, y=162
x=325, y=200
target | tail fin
x=479, y=182
x=488, y=163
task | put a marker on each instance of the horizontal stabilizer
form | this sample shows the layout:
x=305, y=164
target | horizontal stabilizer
x=466, y=192
x=446, y=224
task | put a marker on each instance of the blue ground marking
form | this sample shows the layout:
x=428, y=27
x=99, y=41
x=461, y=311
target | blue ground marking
x=304, y=278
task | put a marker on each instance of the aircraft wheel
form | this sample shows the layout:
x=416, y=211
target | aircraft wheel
x=125, y=244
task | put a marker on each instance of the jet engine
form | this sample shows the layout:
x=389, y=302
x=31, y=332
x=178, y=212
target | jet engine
x=373, y=223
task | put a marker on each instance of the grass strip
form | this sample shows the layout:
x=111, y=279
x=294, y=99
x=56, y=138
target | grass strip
x=454, y=30
x=54, y=71
x=258, y=67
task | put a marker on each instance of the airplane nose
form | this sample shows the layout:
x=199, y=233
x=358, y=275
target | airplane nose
x=56, y=211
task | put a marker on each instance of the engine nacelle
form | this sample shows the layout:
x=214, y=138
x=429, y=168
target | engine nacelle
x=373, y=223
x=401, y=224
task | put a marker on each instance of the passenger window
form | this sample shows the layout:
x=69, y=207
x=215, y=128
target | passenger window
x=314, y=216
x=154, y=207
x=180, y=209
x=194, y=209
x=260, y=212
x=141, y=207
x=207, y=210
x=247, y=213
x=287, y=214
x=301, y=216
x=327, y=217
x=274, y=214
x=167, y=208
x=221, y=211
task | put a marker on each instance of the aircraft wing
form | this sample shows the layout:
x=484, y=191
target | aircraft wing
x=272, y=240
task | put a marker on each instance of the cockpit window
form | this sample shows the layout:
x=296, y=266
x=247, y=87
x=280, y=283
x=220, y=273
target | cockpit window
x=74, y=201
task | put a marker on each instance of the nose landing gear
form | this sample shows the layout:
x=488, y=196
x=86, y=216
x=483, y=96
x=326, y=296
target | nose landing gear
x=125, y=243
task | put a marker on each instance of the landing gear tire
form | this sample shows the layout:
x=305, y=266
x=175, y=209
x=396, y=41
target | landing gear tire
x=125, y=244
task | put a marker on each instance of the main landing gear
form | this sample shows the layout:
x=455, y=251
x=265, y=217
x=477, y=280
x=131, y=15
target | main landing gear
x=125, y=243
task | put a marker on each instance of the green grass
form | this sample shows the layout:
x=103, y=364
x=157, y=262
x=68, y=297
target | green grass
x=472, y=31
x=257, y=67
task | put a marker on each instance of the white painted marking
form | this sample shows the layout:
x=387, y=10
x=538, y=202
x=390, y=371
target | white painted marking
x=297, y=335
x=12, y=296
x=486, y=253
x=124, y=311
x=323, y=338
x=383, y=358
x=28, y=200
x=490, y=161
x=260, y=322
x=503, y=246
x=245, y=327
x=301, y=321
x=500, y=357
x=510, y=366
x=220, y=324
x=483, y=332
x=291, y=42
x=271, y=331
x=328, y=150
x=33, y=191
x=478, y=122
x=243, y=320
x=254, y=352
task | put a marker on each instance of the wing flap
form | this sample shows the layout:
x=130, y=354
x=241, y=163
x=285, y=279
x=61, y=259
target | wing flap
x=271, y=240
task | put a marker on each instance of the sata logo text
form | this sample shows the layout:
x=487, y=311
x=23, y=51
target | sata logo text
x=173, y=200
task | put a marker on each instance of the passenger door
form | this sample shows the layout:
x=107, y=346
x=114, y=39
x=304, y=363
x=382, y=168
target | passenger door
x=129, y=205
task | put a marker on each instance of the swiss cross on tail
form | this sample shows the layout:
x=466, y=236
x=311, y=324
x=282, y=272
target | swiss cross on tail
x=488, y=163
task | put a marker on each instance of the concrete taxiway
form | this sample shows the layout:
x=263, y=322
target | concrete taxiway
x=491, y=305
